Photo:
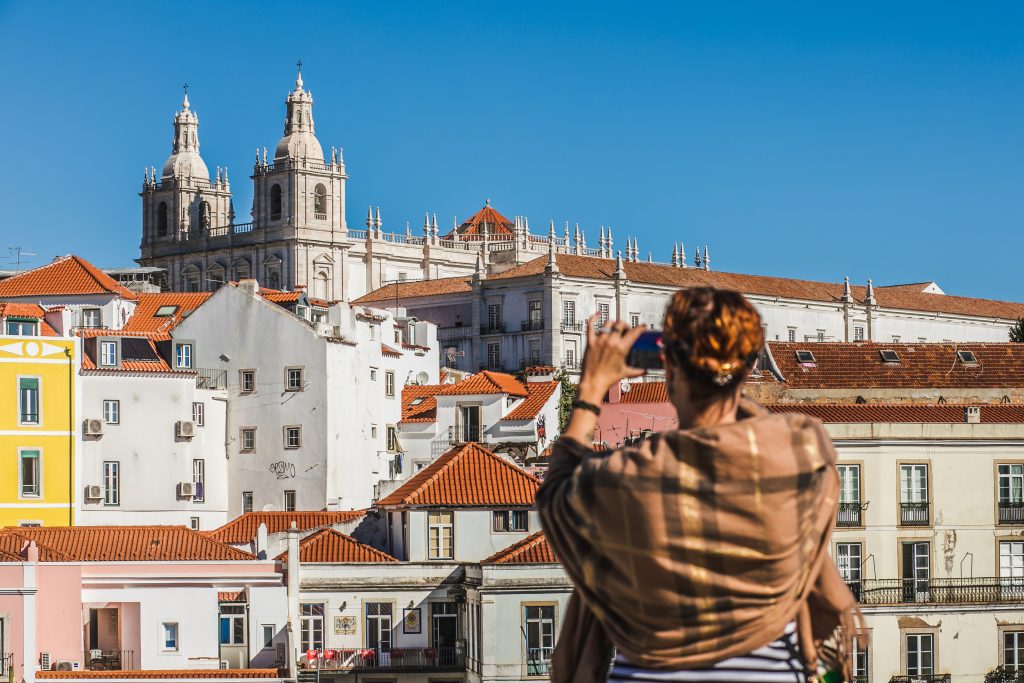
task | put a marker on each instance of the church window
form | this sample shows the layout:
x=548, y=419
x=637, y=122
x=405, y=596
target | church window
x=161, y=219
x=275, y=203
x=320, y=202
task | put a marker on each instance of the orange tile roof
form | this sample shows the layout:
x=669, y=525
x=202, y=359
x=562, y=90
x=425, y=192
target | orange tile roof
x=231, y=596
x=129, y=543
x=899, y=297
x=386, y=350
x=466, y=476
x=243, y=529
x=13, y=544
x=14, y=309
x=496, y=224
x=916, y=413
x=540, y=370
x=533, y=549
x=148, y=361
x=858, y=365
x=199, y=674
x=66, y=275
x=144, y=319
x=334, y=547
x=410, y=290
x=645, y=392
x=537, y=398
x=425, y=410
x=486, y=382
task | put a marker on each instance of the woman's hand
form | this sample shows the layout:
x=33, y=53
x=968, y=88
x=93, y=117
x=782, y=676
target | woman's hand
x=604, y=362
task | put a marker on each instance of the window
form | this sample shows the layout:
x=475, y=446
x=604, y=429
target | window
x=858, y=333
x=804, y=357
x=536, y=315
x=389, y=383
x=373, y=431
x=849, y=483
x=92, y=317
x=199, y=413
x=232, y=625
x=165, y=311
x=193, y=523
x=22, y=328
x=199, y=478
x=493, y=317
x=791, y=334
x=112, y=412
x=31, y=474
x=540, y=638
x=292, y=437
x=440, y=530
x=373, y=332
x=320, y=202
x=859, y=662
x=183, y=356
x=849, y=562
x=494, y=356
x=248, y=438
x=570, y=356
x=170, y=636
x=111, y=483
x=275, y=202
x=378, y=626
x=373, y=374
x=246, y=501
x=108, y=353
x=247, y=381
x=889, y=356
x=920, y=654
x=604, y=312
x=28, y=400
x=510, y=520
x=268, y=634
x=289, y=501
x=1013, y=649
x=161, y=219
x=293, y=379
x=916, y=570
x=914, y=495
x=444, y=625
x=569, y=313
x=966, y=357
x=634, y=320
x=1011, y=493
x=392, y=438
x=311, y=627
x=895, y=339
x=1011, y=562
x=821, y=335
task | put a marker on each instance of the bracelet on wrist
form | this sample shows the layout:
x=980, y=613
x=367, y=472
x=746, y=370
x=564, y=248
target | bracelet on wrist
x=586, y=405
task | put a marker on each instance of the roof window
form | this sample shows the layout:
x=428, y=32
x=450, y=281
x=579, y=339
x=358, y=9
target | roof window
x=417, y=401
x=967, y=357
x=165, y=311
x=889, y=356
x=804, y=357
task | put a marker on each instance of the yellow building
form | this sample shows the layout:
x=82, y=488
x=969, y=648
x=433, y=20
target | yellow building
x=37, y=425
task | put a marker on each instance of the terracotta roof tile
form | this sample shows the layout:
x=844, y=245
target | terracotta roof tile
x=386, y=350
x=13, y=544
x=141, y=356
x=130, y=543
x=199, y=674
x=877, y=412
x=418, y=402
x=533, y=549
x=330, y=546
x=496, y=224
x=466, y=476
x=231, y=596
x=14, y=309
x=410, y=290
x=67, y=275
x=645, y=392
x=487, y=382
x=243, y=529
x=538, y=395
x=859, y=365
x=145, y=319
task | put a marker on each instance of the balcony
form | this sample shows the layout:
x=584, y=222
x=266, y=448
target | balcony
x=572, y=326
x=972, y=591
x=914, y=514
x=211, y=379
x=571, y=363
x=109, y=660
x=493, y=328
x=531, y=325
x=538, y=661
x=922, y=678
x=1011, y=513
x=408, y=659
x=849, y=515
x=7, y=666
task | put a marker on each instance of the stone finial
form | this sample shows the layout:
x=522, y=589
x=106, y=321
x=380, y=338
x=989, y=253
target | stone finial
x=698, y=259
x=869, y=297
x=369, y=218
x=567, y=234
x=847, y=292
x=551, y=233
x=675, y=255
x=608, y=242
x=478, y=273
x=552, y=264
x=264, y=156
x=226, y=181
x=257, y=163
x=334, y=156
x=650, y=257
x=682, y=255
x=601, y=243
x=376, y=221
x=433, y=226
x=583, y=240
x=341, y=156
x=426, y=224
x=408, y=230
x=707, y=259
x=620, y=270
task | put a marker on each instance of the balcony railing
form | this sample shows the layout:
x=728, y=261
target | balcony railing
x=922, y=678
x=531, y=325
x=390, y=659
x=109, y=660
x=571, y=363
x=538, y=661
x=495, y=328
x=7, y=665
x=572, y=325
x=207, y=378
x=914, y=514
x=1011, y=513
x=849, y=515
x=972, y=591
x=319, y=216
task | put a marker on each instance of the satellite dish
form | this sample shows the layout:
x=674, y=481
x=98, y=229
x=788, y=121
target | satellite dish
x=625, y=385
x=422, y=377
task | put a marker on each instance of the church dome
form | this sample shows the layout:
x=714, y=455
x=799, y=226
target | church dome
x=299, y=141
x=186, y=164
x=299, y=146
x=185, y=160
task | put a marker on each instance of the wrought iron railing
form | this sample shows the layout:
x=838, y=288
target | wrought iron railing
x=922, y=678
x=496, y=328
x=914, y=514
x=971, y=591
x=391, y=659
x=571, y=363
x=109, y=660
x=207, y=378
x=1011, y=513
x=531, y=325
x=572, y=325
x=6, y=665
x=849, y=515
x=538, y=661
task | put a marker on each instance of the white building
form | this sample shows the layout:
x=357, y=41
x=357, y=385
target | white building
x=313, y=407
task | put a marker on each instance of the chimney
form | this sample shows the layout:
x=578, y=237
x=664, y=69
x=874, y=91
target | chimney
x=972, y=414
x=249, y=286
x=293, y=598
x=261, y=541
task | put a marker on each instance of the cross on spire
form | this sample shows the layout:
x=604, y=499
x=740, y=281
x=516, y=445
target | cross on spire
x=185, y=102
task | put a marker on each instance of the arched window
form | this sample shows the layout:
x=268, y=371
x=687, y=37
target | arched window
x=320, y=202
x=161, y=219
x=321, y=286
x=275, y=203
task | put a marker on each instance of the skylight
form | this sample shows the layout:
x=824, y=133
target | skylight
x=889, y=356
x=804, y=357
x=417, y=401
x=165, y=311
x=966, y=356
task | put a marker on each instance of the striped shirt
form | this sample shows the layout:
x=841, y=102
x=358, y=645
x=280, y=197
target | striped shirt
x=776, y=662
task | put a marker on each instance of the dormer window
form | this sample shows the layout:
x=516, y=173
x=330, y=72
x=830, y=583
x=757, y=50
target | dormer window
x=183, y=356
x=22, y=328
x=889, y=356
x=91, y=317
x=804, y=357
x=108, y=354
x=510, y=401
x=967, y=357
x=165, y=312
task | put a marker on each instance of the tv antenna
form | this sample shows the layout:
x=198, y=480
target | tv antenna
x=17, y=254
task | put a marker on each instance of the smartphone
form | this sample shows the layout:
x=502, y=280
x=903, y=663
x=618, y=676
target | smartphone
x=646, y=352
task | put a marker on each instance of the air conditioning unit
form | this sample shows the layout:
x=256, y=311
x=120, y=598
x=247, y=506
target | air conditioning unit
x=184, y=429
x=65, y=665
x=94, y=492
x=93, y=427
x=186, y=489
x=44, y=661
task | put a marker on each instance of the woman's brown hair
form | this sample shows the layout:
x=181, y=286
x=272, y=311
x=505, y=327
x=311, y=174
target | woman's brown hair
x=713, y=336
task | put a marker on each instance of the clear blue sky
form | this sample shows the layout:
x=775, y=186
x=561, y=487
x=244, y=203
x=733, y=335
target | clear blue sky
x=813, y=140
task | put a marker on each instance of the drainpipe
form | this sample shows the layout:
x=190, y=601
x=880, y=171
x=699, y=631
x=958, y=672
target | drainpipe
x=293, y=599
x=71, y=434
x=30, y=619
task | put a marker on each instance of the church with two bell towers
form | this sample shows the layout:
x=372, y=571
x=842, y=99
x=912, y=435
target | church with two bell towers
x=299, y=237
